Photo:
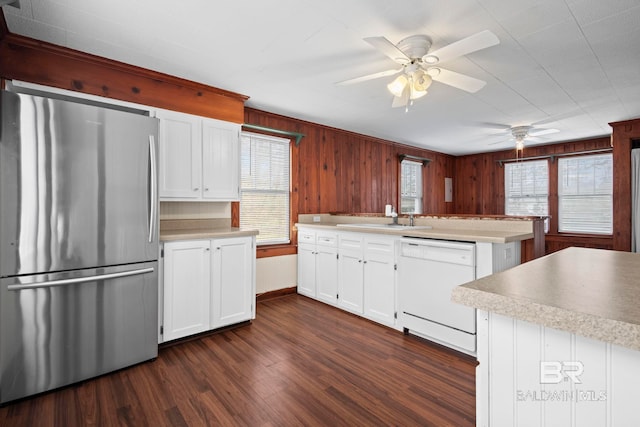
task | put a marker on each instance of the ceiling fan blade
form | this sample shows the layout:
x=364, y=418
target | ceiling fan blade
x=389, y=49
x=543, y=132
x=457, y=80
x=478, y=41
x=369, y=77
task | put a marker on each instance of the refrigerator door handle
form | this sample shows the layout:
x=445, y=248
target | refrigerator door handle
x=154, y=192
x=76, y=280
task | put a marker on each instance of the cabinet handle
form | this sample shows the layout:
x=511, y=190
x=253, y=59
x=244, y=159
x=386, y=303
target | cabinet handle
x=196, y=189
x=206, y=249
x=359, y=260
x=206, y=189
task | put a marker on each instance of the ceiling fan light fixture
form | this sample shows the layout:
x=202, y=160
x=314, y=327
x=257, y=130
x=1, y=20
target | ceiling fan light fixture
x=421, y=81
x=415, y=94
x=397, y=86
x=519, y=144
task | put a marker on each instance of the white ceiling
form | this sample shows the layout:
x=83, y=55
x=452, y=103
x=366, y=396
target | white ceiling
x=572, y=65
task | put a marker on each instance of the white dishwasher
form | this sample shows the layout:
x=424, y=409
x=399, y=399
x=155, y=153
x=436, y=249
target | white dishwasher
x=428, y=270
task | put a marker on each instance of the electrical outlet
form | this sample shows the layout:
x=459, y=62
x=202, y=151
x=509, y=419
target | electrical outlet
x=316, y=218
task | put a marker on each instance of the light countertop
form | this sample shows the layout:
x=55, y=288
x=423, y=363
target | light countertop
x=171, y=230
x=590, y=292
x=467, y=228
x=461, y=234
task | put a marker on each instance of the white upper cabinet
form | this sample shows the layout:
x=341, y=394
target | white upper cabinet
x=221, y=160
x=180, y=155
x=199, y=158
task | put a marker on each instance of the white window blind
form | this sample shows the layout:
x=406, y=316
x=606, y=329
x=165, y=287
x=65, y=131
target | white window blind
x=527, y=188
x=410, y=187
x=585, y=194
x=264, y=188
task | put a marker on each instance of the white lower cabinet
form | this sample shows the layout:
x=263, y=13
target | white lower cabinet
x=318, y=265
x=380, y=279
x=354, y=271
x=351, y=272
x=232, y=281
x=187, y=288
x=207, y=284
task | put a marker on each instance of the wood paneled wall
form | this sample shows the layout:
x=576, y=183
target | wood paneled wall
x=623, y=134
x=340, y=171
x=479, y=188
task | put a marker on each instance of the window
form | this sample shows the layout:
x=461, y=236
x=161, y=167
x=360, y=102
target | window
x=410, y=187
x=264, y=187
x=526, y=188
x=585, y=194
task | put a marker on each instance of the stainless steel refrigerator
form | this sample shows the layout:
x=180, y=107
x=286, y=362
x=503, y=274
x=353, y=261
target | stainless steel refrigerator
x=78, y=242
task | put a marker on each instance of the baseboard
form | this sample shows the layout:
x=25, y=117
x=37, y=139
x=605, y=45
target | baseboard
x=276, y=294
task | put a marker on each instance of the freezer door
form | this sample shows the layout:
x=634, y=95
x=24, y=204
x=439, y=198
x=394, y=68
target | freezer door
x=77, y=186
x=57, y=329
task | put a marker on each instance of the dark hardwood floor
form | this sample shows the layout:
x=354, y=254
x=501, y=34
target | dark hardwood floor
x=299, y=363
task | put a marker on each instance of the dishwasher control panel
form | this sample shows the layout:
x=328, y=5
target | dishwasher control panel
x=437, y=250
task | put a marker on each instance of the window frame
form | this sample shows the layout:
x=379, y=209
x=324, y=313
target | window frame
x=271, y=248
x=558, y=196
x=552, y=229
x=418, y=200
x=548, y=190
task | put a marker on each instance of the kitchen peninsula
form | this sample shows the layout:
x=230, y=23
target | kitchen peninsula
x=558, y=340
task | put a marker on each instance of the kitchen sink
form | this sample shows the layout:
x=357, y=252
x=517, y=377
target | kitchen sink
x=388, y=226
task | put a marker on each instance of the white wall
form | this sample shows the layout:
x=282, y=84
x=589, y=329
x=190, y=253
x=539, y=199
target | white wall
x=195, y=210
x=275, y=273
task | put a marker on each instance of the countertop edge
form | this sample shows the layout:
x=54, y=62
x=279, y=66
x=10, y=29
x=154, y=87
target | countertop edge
x=461, y=235
x=588, y=325
x=174, y=235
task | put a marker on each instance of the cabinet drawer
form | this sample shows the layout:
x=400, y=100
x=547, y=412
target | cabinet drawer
x=306, y=236
x=351, y=241
x=380, y=247
x=330, y=240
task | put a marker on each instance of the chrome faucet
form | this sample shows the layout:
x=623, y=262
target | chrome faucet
x=411, y=220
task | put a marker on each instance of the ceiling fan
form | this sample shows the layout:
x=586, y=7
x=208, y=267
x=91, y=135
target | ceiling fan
x=419, y=66
x=527, y=132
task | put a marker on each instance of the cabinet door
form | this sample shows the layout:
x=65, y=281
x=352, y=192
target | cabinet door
x=187, y=281
x=180, y=144
x=220, y=160
x=307, y=270
x=350, y=280
x=379, y=281
x=232, y=290
x=327, y=274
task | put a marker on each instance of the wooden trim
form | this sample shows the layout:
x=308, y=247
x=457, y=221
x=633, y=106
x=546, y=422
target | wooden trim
x=276, y=250
x=276, y=294
x=4, y=29
x=34, y=61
